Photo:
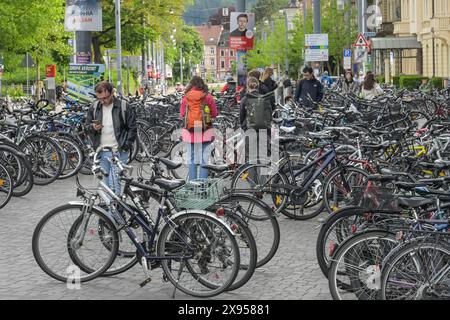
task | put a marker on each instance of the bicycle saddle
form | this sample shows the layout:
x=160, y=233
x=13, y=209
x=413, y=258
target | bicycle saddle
x=285, y=140
x=414, y=202
x=170, y=164
x=287, y=129
x=382, y=178
x=216, y=167
x=169, y=185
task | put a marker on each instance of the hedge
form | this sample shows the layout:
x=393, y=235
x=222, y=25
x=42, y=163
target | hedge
x=437, y=82
x=411, y=82
x=396, y=81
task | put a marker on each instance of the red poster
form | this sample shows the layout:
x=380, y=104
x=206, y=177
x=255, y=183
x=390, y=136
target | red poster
x=241, y=43
x=50, y=71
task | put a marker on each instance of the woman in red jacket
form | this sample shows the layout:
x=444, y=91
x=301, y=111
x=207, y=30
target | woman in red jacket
x=198, y=109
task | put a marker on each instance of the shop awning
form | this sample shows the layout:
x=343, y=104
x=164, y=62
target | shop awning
x=395, y=43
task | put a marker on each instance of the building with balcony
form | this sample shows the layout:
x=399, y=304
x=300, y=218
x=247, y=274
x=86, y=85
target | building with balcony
x=414, y=38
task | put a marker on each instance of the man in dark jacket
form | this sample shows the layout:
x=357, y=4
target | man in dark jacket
x=111, y=123
x=309, y=85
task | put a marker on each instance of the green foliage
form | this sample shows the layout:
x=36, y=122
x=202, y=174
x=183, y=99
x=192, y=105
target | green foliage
x=380, y=79
x=396, y=81
x=410, y=82
x=192, y=45
x=339, y=24
x=266, y=9
x=437, y=82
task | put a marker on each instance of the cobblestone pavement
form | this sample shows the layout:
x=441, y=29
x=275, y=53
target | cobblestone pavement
x=292, y=274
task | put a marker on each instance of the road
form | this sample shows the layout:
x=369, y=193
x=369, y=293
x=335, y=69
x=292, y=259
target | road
x=292, y=274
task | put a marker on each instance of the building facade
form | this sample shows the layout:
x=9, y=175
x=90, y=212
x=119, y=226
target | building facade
x=414, y=38
x=209, y=66
x=225, y=57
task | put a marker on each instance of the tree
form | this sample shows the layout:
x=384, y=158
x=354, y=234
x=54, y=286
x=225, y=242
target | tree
x=36, y=27
x=191, y=43
x=141, y=20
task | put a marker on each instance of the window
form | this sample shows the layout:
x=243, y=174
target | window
x=213, y=62
x=202, y=63
x=222, y=64
x=231, y=53
x=222, y=53
x=212, y=51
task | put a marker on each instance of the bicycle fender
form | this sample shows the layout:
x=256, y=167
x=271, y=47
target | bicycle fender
x=105, y=213
x=206, y=213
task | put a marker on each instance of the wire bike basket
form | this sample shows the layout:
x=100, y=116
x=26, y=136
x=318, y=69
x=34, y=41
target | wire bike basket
x=199, y=194
x=374, y=197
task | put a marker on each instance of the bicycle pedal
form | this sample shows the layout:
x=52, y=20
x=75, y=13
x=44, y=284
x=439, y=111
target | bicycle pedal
x=146, y=281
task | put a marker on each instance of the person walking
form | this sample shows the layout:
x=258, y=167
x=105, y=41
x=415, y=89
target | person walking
x=256, y=113
x=197, y=109
x=349, y=85
x=111, y=123
x=370, y=88
x=309, y=86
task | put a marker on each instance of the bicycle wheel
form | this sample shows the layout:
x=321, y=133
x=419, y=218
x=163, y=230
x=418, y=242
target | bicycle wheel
x=214, y=262
x=254, y=179
x=338, y=186
x=304, y=204
x=335, y=230
x=46, y=158
x=74, y=157
x=19, y=168
x=55, y=249
x=419, y=270
x=246, y=243
x=261, y=221
x=6, y=186
x=355, y=271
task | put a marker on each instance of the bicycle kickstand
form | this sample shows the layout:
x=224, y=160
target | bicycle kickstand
x=146, y=272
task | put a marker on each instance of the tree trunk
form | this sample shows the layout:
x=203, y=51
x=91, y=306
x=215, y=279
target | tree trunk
x=98, y=56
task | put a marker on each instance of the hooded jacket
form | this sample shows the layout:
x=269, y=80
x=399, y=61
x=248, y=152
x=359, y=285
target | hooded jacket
x=125, y=130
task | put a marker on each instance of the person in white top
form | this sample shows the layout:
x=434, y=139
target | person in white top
x=370, y=88
x=110, y=126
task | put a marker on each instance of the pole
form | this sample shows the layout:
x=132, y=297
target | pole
x=119, y=49
x=128, y=75
x=286, y=61
x=240, y=5
x=181, y=63
x=317, y=17
x=28, y=80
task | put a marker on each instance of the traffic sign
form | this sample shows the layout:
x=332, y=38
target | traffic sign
x=360, y=41
x=360, y=55
x=370, y=34
x=347, y=59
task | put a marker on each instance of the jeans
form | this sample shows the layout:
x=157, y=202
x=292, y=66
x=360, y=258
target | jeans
x=113, y=181
x=196, y=157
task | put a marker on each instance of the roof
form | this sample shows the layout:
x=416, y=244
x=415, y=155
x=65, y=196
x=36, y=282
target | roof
x=395, y=43
x=224, y=41
x=210, y=34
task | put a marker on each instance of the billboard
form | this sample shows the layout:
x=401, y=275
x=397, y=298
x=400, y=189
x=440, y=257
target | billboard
x=316, y=47
x=82, y=79
x=83, y=15
x=242, y=26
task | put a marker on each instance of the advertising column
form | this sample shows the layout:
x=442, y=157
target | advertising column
x=50, y=74
x=242, y=25
x=82, y=17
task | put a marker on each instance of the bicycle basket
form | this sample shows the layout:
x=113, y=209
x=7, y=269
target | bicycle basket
x=198, y=194
x=374, y=197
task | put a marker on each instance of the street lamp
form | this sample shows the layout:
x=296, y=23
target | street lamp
x=286, y=23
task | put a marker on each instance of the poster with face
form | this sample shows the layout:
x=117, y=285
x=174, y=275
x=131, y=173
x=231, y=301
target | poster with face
x=242, y=26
